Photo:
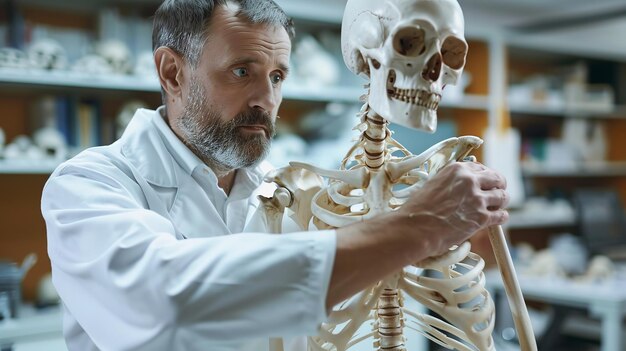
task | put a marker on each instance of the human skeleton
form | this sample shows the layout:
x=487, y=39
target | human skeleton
x=409, y=50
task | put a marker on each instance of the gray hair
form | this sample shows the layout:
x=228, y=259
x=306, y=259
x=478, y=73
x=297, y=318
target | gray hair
x=182, y=25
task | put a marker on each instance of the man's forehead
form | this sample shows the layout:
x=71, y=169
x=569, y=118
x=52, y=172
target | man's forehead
x=227, y=16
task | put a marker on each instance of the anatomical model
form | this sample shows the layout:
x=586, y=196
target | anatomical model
x=408, y=50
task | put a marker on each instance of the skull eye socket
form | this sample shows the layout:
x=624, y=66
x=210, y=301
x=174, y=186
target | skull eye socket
x=453, y=52
x=409, y=41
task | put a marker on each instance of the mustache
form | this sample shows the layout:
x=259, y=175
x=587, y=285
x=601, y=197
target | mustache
x=255, y=117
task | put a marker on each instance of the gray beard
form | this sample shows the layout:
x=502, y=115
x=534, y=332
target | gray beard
x=220, y=144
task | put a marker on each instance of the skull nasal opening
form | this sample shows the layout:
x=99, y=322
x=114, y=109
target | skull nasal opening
x=432, y=70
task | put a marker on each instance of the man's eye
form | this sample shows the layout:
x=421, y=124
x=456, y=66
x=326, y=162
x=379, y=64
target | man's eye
x=277, y=78
x=240, y=72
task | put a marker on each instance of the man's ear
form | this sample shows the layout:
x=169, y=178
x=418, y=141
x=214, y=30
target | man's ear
x=170, y=66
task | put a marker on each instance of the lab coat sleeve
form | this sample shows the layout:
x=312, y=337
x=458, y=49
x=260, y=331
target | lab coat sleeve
x=131, y=284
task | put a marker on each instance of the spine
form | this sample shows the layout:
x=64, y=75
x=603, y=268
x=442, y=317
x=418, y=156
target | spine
x=390, y=322
x=374, y=139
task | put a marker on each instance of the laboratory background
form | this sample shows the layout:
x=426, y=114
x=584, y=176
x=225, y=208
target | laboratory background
x=544, y=86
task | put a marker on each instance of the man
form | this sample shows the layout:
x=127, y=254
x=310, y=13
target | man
x=147, y=236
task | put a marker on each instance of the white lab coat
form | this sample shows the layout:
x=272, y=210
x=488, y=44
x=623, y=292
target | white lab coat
x=138, y=237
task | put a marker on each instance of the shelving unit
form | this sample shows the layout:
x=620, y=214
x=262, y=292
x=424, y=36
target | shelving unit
x=32, y=174
x=518, y=222
x=21, y=181
x=40, y=167
x=584, y=170
x=616, y=112
x=544, y=120
x=50, y=79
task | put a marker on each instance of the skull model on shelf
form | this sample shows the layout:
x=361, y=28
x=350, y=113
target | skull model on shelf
x=13, y=58
x=92, y=65
x=47, y=54
x=51, y=143
x=22, y=148
x=313, y=64
x=145, y=67
x=117, y=54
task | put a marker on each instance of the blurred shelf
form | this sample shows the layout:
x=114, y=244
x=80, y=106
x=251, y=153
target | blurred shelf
x=589, y=169
x=468, y=101
x=64, y=79
x=615, y=112
x=329, y=11
x=32, y=324
x=45, y=79
x=28, y=166
x=525, y=221
x=321, y=94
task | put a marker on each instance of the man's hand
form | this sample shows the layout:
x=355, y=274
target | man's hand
x=461, y=199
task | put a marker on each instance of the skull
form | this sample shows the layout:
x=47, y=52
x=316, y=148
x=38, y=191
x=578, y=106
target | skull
x=145, y=66
x=47, y=54
x=93, y=65
x=117, y=54
x=51, y=142
x=13, y=58
x=409, y=50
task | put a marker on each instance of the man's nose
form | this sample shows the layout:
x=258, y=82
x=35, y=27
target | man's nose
x=265, y=97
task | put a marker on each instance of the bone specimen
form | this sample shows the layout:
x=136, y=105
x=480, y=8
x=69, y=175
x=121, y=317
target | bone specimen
x=408, y=50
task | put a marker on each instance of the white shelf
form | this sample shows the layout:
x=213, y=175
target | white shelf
x=63, y=79
x=468, y=101
x=32, y=325
x=523, y=221
x=589, y=169
x=131, y=83
x=319, y=93
x=615, y=111
x=28, y=166
x=329, y=11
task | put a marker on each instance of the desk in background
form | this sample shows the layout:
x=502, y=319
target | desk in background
x=606, y=301
x=34, y=330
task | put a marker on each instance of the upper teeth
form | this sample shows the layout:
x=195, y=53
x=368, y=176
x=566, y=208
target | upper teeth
x=418, y=97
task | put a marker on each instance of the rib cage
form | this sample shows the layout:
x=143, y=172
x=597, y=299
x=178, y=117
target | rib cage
x=367, y=184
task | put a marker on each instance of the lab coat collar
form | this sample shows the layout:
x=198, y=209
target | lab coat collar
x=143, y=146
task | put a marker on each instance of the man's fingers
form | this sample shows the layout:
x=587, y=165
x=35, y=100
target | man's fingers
x=492, y=180
x=496, y=199
x=498, y=217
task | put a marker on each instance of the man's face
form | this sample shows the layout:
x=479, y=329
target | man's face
x=234, y=94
